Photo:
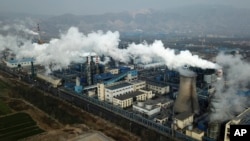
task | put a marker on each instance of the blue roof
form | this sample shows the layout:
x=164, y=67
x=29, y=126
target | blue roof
x=21, y=60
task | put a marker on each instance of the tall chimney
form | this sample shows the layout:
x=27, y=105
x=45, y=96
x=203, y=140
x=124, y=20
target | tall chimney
x=97, y=65
x=187, y=100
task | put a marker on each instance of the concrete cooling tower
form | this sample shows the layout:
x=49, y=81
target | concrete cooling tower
x=187, y=100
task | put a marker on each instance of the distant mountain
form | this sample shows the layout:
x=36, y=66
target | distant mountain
x=192, y=20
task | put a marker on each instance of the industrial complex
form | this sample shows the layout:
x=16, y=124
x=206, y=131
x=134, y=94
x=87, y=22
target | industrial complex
x=173, y=102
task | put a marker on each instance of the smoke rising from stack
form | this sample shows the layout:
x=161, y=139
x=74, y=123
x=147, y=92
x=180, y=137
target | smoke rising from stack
x=226, y=102
x=59, y=53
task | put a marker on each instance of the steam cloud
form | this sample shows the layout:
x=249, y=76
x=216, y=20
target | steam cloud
x=226, y=102
x=72, y=45
x=59, y=53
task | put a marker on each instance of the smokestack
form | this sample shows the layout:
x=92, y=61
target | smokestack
x=88, y=71
x=187, y=100
x=32, y=70
x=96, y=60
x=97, y=65
x=87, y=60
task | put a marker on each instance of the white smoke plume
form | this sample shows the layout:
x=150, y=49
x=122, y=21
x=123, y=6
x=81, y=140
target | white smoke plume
x=20, y=27
x=105, y=61
x=226, y=102
x=59, y=53
x=156, y=51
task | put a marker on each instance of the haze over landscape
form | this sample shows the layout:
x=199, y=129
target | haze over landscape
x=194, y=17
x=208, y=37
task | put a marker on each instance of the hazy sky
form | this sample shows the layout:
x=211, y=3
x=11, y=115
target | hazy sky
x=83, y=7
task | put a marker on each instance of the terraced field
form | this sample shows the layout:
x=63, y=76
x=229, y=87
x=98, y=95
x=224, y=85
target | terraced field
x=17, y=126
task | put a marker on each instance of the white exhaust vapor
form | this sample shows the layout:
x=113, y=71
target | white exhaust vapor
x=69, y=47
x=226, y=102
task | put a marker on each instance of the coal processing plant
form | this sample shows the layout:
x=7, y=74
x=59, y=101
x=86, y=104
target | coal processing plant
x=175, y=98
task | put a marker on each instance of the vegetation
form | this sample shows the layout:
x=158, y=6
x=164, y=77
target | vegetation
x=4, y=108
x=18, y=126
x=3, y=88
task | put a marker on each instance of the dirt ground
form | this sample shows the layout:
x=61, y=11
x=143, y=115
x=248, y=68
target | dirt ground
x=56, y=131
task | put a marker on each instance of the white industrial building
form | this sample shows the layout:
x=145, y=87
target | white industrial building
x=183, y=120
x=106, y=93
x=146, y=108
x=241, y=119
x=138, y=84
x=127, y=100
x=158, y=88
x=13, y=63
x=161, y=118
x=117, y=90
x=195, y=133
x=54, y=81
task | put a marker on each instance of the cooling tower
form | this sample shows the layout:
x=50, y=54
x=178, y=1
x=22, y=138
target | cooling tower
x=187, y=100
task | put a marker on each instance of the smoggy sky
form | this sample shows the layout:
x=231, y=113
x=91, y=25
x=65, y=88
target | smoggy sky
x=86, y=7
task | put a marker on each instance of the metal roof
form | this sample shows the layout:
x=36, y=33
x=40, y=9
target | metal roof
x=14, y=61
x=125, y=84
x=183, y=116
x=129, y=95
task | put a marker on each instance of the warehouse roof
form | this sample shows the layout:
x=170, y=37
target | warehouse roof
x=129, y=95
x=156, y=84
x=21, y=60
x=244, y=117
x=183, y=116
x=124, y=84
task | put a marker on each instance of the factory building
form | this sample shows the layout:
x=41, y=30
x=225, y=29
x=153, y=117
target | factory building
x=183, y=120
x=127, y=100
x=113, y=71
x=146, y=108
x=154, y=108
x=157, y=88
x=148, y=92
x=195, y=133
x=54, y=81
x=101, y=91
x=164, y=102
x=161, y=119
x=241, y=119
x=138, y=84
x=117, y=90
x=107, y=93
x=19, y=63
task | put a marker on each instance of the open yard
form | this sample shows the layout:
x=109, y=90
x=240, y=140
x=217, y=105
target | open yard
x=17, y=126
